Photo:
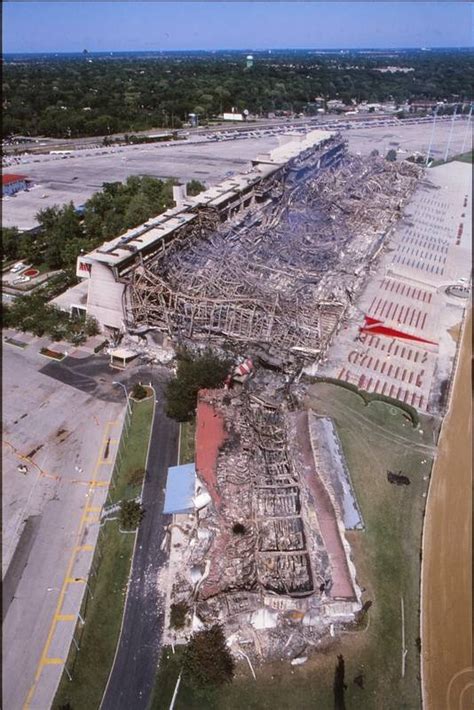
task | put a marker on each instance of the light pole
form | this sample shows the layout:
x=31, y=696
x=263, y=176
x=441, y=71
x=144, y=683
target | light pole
x=126, y=394
x=450, y=134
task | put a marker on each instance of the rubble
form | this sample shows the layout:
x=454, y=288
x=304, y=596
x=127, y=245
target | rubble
x=283, y=276
x=267, y=555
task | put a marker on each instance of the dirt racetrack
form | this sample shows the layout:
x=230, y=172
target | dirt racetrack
x=447, y=672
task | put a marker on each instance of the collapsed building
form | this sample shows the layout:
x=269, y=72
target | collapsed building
x=266, y=549
x=270, y=259
x=266, y=264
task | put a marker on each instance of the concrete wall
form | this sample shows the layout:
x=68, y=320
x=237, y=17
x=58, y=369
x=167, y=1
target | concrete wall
x=104, y=299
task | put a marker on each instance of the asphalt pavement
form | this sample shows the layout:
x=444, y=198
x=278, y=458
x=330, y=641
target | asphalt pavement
x=133, y=674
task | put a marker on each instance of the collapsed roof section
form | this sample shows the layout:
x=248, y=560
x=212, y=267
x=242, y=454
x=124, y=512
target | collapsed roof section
x=282, y=277
x=272, y=530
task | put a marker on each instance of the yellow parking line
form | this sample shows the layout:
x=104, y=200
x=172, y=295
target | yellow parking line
x=93, y=509
x=84, y=548
x=75, y=580
x=53, y=661
x=44, y=660
x=66, y=617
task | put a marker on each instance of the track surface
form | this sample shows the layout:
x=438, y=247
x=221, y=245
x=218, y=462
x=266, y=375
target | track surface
x=448, y=676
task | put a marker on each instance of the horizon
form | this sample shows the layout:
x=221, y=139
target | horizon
x=317, y=50
x=70, y=27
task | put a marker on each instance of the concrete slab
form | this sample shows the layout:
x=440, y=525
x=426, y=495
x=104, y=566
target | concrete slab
x=59, y=433
x=411, y=300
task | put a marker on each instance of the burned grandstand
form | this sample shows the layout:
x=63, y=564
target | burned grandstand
x=266, y=547
x=270, y=259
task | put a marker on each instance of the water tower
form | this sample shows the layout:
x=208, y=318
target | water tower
x=249, y=61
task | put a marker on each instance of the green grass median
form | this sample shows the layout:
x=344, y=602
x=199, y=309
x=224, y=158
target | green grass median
x=104, y=598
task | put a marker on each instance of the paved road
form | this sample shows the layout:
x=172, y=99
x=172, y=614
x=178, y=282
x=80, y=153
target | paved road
x=132, y=678
x=133, y=675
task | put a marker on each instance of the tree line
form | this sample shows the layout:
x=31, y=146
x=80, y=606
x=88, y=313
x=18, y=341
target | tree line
x=71, y=97
x=65, y=232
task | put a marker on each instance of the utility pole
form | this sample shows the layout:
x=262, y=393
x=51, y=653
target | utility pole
x=450, y=134
x=432, y=136
x=467, y=129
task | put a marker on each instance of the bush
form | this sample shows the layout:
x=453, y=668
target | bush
x=138, y=391
x=91, y=326
x=178, y=614
x=207, y=660
x=194, y=187
x=131, y=514
x=204, y=371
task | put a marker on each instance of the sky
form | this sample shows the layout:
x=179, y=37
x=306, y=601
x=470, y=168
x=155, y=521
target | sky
x=133, y=26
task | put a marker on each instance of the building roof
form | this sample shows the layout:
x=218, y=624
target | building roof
x=180, y=489
x=8, y=179
x=121, y=251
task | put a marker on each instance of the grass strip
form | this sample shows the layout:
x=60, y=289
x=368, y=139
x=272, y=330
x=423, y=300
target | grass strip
x=186, y=442
x=104, y=598
x=129, y=469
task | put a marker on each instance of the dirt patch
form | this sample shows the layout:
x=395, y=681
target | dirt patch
x=446, y=599
x=455, y=332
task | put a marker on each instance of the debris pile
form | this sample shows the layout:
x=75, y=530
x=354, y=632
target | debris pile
x=283, y=276
x=267, y=551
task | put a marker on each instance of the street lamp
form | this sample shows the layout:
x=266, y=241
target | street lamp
x=126, y=394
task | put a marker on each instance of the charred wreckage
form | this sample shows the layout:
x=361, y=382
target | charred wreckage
x=267, y=265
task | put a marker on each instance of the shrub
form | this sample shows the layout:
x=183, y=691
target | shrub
x=138, y=391
x=91, y=326
x=131, y=514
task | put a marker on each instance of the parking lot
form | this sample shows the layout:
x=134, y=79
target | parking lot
x=58, y=449
x=76, y=176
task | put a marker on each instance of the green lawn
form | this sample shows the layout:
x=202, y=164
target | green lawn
x=98, y=638
x=375, y=438
x=186, y=442
x=462, y=157
x=130, y=463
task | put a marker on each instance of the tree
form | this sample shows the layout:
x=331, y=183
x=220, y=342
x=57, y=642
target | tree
x=207, y=660
x=131, y=514
x=194, y=187
x=391, y=155
x=204, y=371
x=10, y=243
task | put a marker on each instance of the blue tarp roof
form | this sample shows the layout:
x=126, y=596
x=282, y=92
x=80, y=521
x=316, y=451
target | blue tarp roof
x=180, y=489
